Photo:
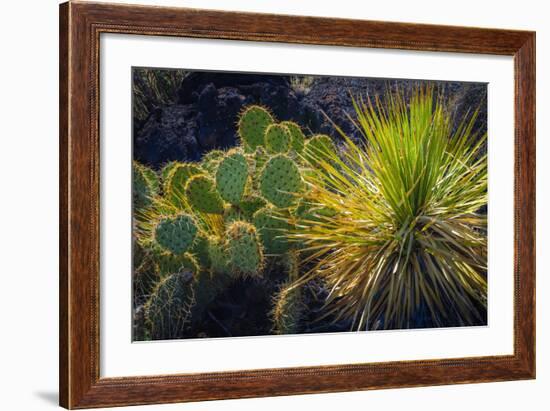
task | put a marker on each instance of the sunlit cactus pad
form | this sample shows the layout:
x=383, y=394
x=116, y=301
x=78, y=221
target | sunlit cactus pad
x=298, y=138
x=231, y=177
x=280, y=181
x=202, y=194
x=176, y=234
x=244, y=249
x=277, y=138
x=272, y=228
x=252, y=125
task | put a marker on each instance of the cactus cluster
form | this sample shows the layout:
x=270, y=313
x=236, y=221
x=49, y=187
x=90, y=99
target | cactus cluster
x=168, y=310
x=222, y=219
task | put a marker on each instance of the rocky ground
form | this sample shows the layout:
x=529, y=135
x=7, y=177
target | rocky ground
x=200, y=112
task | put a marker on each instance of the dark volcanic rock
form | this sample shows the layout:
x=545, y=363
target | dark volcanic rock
x=168, y=134
x=185, y=132
x=206, y=114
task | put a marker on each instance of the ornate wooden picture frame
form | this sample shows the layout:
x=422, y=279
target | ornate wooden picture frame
x=81, y=24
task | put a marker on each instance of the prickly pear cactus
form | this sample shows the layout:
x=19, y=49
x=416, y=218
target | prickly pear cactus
x=167, y=169
x=220, y=220
x=231, y=177
x=200, y=249
x=211, y=160
x=152, y=179
x=232, y=213
x=277, y=139
x=252, y=125
x=244, y=249
x=168, y=263
x=176, y=234
x=289, y=309
x=168, y=309
x=145, y=185
x=217, y=255
x=176, y=179
x=202, y=194
x=297, y=136
x=292, y=265
x=257, y=160
x=280, y=181
x=272, y=229
x=145, y=272
x=250, y=204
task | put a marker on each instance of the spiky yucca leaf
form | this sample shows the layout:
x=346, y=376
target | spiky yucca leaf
x=406, y=236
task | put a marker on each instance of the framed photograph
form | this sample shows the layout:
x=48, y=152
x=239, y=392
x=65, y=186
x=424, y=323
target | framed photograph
x=259, y=205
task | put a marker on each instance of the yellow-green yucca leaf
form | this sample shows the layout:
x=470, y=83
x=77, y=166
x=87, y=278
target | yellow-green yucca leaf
x=405, y=234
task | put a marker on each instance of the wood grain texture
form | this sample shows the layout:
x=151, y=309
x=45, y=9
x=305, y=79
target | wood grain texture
x=80, y=27
x=63, y=204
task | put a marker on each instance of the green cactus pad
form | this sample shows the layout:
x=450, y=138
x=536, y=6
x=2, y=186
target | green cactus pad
x=176, y=234
x=152, y=179
x=200, y=249
x=272, y=229
x=231, y=177
x=277, y=139
x=244, y=249
x=168, y=310
x=319, y=147
x=297, y=136
x=217, y=255
x=250, y=204
x=289, y=309
x=280, y=180
x=168, y=263
x=260, y=158
x=292, y=264
x=252, y=125
x=232, y=213
x=257, y=163
x=202, y=194
x=145, y=185
x=145, y=273
x=211, y=160
x=167, y=169
x=177, y=177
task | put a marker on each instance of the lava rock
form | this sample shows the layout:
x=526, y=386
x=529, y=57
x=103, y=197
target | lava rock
x=208, y=105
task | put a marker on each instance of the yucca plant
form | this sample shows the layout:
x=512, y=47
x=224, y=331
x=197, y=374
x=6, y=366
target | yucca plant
x=396, y=227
